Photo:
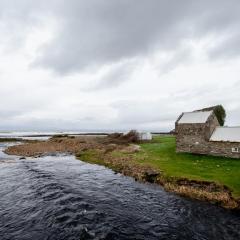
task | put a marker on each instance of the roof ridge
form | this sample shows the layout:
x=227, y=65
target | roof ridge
x=199, y=111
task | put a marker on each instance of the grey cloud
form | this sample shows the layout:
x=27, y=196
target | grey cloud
x=101, y=32
x=17, y=18
x=162, y=112
x=137, y=112
x=115, y=76
x=115, y=33
x=180, y=57
x=227, y=48
x=98, y=32
x=9, y=113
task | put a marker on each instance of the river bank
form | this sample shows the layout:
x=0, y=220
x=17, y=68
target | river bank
x=58, y=197
x=197, y=177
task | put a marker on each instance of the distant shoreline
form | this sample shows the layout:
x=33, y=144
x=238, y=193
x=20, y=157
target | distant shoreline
x=73, y=134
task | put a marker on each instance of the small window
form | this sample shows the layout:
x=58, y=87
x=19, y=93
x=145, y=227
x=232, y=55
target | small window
x=235, y=150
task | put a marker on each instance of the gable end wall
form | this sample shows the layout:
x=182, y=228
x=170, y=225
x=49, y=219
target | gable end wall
x=194, y=138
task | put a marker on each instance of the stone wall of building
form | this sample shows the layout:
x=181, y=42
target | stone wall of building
x=224, y=149
x=210, y=126
x=191, y=138
x=194, y=138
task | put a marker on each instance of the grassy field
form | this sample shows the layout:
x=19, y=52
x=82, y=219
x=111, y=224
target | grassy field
x=161, y=155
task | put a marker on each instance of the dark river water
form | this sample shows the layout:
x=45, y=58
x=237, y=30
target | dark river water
x=59, y=197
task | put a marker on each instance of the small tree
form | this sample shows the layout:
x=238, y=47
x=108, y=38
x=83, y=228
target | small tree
x=220, y=114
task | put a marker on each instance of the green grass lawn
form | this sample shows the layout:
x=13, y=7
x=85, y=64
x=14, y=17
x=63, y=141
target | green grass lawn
x=161, y=154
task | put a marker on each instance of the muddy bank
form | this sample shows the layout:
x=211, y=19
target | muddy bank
x=120, y=156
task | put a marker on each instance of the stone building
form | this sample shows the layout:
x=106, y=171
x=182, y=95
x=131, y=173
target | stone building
x=200, y=132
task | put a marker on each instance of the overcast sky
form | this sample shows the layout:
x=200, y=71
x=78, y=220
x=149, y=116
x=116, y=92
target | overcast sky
x=119, y=64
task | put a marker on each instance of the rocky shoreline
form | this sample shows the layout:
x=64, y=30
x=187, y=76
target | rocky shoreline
x=119, y=156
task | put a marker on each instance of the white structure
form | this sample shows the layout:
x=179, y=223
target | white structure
x=144, y=136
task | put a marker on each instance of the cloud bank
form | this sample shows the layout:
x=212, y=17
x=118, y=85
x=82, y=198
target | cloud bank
x=116, y=64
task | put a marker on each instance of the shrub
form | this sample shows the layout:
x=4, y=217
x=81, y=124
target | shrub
x=219, y=111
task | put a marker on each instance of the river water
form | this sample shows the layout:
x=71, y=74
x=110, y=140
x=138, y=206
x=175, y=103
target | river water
x=59, y=197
